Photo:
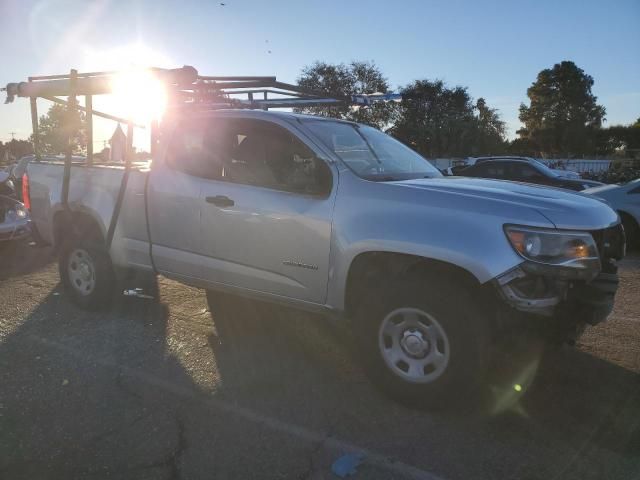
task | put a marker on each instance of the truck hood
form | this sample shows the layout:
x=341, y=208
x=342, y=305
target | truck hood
x=563, y=208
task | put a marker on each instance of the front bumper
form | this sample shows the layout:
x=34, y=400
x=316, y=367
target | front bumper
x=568, y=299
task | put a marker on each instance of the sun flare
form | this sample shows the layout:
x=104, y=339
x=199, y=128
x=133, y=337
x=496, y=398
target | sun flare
x=139, y=95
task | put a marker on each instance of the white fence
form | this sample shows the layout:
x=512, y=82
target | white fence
x=580, y=166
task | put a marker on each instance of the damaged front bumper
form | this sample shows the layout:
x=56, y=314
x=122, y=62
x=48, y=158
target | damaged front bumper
x=588, y=300
x=569, y=298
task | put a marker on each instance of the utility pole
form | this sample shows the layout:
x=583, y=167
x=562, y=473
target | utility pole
x=13, y=135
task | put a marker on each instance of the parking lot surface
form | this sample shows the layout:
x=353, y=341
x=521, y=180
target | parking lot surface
x=165, y=389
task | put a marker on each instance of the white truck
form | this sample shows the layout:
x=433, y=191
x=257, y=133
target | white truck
x=340, y=219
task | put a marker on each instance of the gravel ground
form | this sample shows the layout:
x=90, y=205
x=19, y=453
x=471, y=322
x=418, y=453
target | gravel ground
x=159, y=389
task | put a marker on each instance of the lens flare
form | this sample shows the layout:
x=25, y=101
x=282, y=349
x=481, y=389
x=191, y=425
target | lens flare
x=139, y=95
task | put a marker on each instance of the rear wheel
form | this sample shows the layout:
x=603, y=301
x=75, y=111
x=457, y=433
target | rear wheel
x=423, y=342
x=87, y=274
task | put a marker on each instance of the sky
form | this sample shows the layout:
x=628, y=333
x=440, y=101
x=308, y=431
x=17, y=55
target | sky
x=494, y=48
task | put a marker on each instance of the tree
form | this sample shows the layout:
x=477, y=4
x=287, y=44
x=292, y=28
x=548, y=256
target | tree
x=346, y=80
x=563, y=112
x=617, y=139
x=55, y=127
x=438, y=121
x=13, y=150
x=490, y=138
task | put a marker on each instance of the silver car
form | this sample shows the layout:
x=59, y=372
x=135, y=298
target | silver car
x=625, y=199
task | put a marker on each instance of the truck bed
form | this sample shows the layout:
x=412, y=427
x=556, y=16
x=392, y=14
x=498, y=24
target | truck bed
x=93, y=191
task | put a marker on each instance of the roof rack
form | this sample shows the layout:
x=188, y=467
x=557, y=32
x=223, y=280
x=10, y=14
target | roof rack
x=265, y=93
x=186, y=89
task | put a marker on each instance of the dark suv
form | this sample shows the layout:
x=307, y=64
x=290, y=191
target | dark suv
x=523, y=170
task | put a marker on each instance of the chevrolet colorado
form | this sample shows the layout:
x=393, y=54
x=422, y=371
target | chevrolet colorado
x=339, y=218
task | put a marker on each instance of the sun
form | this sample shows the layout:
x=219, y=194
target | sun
x=138, y=95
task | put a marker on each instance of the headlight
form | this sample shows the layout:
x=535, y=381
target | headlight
x=554, y=247
x=17, y=213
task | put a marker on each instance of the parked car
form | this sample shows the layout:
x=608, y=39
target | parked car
x=340, y=219
x=14, y=220
x=6, y=184
x=524, y=170
x=625, y=199
x=455, y=170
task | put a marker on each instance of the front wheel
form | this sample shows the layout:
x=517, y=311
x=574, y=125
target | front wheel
x=87, y=274
x=423, y=342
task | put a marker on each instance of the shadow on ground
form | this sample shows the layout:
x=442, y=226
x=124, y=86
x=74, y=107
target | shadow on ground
x=18, y=258
x=160, y=390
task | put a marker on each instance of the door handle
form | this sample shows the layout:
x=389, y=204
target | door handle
x=220, y=201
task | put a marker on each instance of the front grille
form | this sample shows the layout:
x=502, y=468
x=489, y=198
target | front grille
x=611, y=246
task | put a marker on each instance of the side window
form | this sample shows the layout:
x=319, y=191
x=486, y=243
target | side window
x=525, y=172
x=492, y=170
x=266, y=155
x=198, y=148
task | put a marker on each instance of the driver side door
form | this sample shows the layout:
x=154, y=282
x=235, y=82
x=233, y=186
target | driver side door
x=266, y=211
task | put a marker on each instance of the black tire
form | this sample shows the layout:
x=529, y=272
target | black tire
x=631, y=230
x=101, y=295
x=463, y=323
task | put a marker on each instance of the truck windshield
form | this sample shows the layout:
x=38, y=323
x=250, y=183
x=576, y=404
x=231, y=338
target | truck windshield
x=371, y=154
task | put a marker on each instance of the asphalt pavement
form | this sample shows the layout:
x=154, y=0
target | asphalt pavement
x=165, y=389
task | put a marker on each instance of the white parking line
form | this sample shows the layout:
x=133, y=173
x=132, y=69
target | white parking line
x=311, y=436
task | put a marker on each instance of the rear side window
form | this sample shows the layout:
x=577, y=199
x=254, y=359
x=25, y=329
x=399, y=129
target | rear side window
x=198, y=148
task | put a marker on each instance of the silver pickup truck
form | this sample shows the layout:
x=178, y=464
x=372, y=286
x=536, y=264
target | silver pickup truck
x=338, y=218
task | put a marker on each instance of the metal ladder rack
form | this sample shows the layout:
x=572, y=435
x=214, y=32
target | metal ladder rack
x=186, y=90
x=264, y=93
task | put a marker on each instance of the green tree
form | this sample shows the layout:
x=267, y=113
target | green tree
x=617, y=139
x=57, y=126
x=13, y=150
x=438, y=121
x=563, y=114
x=346, y=80
x=490, y=137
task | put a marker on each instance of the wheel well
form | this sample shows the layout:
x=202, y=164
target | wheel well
x=627, y=216
x=632, y=229
x=371, y=268
x=83, y=225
